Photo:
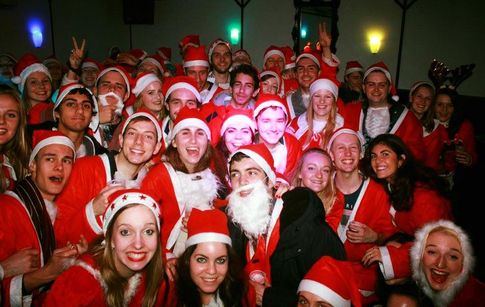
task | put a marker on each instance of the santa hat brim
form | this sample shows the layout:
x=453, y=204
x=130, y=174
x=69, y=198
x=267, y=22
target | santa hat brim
x=53, y=140
x=323, y=292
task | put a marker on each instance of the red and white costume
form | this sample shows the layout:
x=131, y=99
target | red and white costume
x=433, y=142
x=372, y=209
x=8, y=172
x=286, y=154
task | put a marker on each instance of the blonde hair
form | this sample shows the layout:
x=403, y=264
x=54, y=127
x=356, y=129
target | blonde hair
x=329, y=127
x=139, y=104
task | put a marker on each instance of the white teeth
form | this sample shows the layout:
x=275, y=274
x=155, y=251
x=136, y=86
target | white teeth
x=136, y=255
x=439, y=273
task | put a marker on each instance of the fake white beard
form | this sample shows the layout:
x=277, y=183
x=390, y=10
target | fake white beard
x=251, y=213
x=445, y=297
x=119, y=102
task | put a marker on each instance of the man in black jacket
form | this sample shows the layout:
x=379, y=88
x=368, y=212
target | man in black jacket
x=278, y=239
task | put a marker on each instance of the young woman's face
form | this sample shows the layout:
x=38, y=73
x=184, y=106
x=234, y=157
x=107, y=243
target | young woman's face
x=191, y=144
x=442, y=261
x=443, y=108
x=236, y=136
x=9, y=118
x=152, y=97
x=322, y=103
x=38, y=87
x=385, y=162
x=315, y=171
x=135, y=240
x=421, y=100
x=269, y=86
x=208, y=267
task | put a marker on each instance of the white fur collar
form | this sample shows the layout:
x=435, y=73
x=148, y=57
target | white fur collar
x=199, y=189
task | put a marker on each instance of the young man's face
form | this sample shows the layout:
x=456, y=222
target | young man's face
x=244, y=172
x=88, y=76
x=139, y=142
x=179, y=99
x=199, y=74
x=345, y=152
x=221, y=58
x=51, y=169
x=242, y=90
x=354, y=80
x=306, y=72
x=376, y=88
x=271, y=123
x=275, y=62
x=74, y=113
x=113, y=81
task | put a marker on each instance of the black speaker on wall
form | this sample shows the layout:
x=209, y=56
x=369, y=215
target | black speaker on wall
x=138, y=11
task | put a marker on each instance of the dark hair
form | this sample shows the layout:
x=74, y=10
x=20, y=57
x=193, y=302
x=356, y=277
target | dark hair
x=407, y=175
x=427, y=120
x=173, y=158
x=247, y=70
x=458, y=115
x=81, y=91
x=231, y=290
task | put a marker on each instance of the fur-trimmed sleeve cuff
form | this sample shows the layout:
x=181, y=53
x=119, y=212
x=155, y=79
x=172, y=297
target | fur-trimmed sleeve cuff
x=386, y=265
x=91, y=217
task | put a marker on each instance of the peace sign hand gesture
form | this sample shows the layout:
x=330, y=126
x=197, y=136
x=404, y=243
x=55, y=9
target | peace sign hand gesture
x=324, y=37
x=77, y=54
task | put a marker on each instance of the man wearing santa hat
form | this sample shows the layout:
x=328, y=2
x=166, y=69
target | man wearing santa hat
x=366, y=220
x=278, y=240
x=27, y=215
x=220, y=58
x=90, y=69
x=380, y=113
x=196, y=66
x=351, y=89
x=94, y=179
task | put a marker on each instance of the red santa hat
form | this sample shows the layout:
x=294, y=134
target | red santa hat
x=121, y=71
x=189, y=40
x=353, y=66
x=156, y=60
x=238, y=118
x=25, y=66
x=138, y=53
x=290, y=58
x=195, y=56
x=333, y=281
x=165, y=53
x=421, y=237
x=43, y=138
x=310, y=54
x=324, y=84
x=147, y=115
x=271, y=72
x=188, y=117
x=417, y=84
x=273, y=50
x=261, y=155
x=142, y=81
x=125, y=197
x=178, y=82
x=207, y=226
x=340, y=131
x=382, y=67
x=267, y=100
x=214, y=44
x=91, y=63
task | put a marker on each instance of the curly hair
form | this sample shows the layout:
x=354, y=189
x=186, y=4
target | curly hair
x=407, y=176
x=231, y=290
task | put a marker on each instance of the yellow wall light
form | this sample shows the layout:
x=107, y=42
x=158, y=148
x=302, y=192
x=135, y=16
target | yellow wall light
x=375, y=40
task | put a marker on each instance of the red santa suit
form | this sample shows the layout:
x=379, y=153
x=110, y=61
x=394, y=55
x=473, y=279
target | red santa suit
x=406, y=126
x=428, y=206
x=464, y=137
x=372, y=209
x=75, y=204
x=433, y=142
x=8, y=172
x=178, y=192
x=17, y=232
x=335, y=213
x=286, y=154
x=472, y=294
x=83, y=285
x=40, y=113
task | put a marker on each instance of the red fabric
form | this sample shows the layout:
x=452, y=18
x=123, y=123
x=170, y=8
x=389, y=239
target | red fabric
x=88, y=178
x=40, y=113
x=294, y=153
x=334, y=216
x=213, y=116
x=472, y=294
x=466, y=135
x=16, y=233
x=433, y=143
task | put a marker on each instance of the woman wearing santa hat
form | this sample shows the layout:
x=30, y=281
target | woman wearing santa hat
x=35, y=85
x=124, y=266
x=208, y=271
x=148, y=92
x=14, y=148
x=442, y=262
x=314, y=127
x=185, y=180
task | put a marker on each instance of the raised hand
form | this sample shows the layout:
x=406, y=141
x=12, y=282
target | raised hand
x=77, y=54
x=324, y=37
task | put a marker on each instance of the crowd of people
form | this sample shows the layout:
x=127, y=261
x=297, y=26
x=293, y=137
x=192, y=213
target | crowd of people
x=135, y=181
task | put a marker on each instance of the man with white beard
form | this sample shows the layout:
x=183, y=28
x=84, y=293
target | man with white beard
x=278, y=240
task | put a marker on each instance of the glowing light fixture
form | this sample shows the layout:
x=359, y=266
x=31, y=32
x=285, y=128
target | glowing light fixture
x=375, y=40
x=235, y=36
x=35, y=28
x=303, y=32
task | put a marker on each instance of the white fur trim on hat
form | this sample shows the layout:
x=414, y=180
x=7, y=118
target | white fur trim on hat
x=183, y=85
x=89, y=65
x=190, y=122
x=122, y=73
x=415, y=86
x=308, y=56
x=128, y=199
x=57, y=139
x=154, y=62
x=237, y=120
x=269, y=103
x=196, y=63
x=260, y=161
x=147, y=115
x=323, y=292
x=324, y=84
x=421, y=237
x=271, y=73
x=36, y=67
x=214, y=45
x=338, y=132
x=354, y=69
x=385, y=71
x=143, y=82
x=273, y=52
x=208, y=237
